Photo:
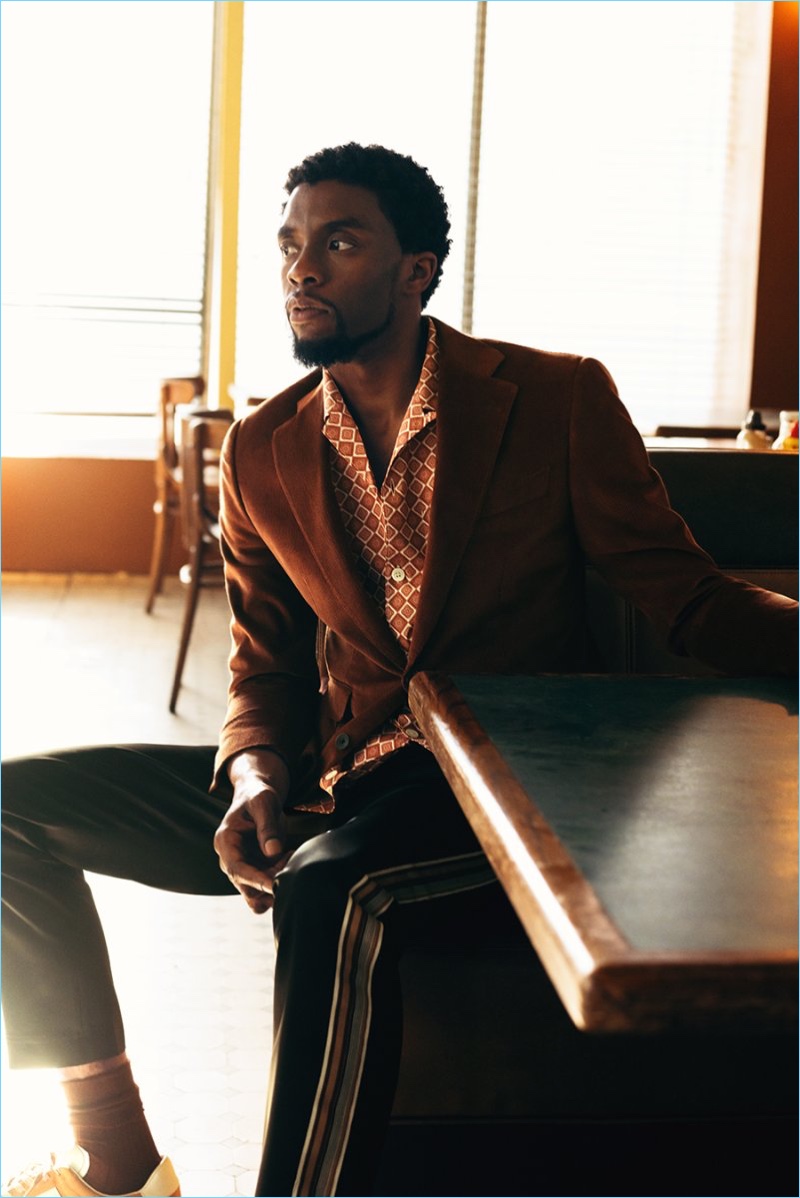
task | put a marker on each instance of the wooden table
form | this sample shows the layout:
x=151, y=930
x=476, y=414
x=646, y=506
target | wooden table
x=645, y=830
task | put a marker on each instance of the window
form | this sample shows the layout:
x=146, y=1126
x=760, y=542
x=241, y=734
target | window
x=621, y=218
x=620, y=175
x=105, y=148
x=318, y=74
x=618, y=196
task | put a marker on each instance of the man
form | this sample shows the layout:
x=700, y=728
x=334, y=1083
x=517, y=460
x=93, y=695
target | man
x=426, y=500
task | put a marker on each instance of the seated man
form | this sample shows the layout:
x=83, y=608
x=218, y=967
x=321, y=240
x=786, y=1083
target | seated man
x=421, y=500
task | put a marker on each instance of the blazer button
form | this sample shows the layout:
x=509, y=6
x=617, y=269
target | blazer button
x=342, y=741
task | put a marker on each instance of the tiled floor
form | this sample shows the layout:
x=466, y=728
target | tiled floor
x=83, y=664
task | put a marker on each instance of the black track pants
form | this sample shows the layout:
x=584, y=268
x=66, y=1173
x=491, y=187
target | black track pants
x=344, y=907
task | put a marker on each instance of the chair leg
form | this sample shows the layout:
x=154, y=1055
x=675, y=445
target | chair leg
x=164, y=509
x=195, y=570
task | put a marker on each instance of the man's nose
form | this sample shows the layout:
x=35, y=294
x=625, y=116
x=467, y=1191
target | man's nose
x=305, y=268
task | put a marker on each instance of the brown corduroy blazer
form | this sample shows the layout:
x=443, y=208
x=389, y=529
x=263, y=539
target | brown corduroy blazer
x=539, y=471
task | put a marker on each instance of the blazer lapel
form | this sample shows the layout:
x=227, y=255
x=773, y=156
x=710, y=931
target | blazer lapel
x=302, y=467
x=472, y=413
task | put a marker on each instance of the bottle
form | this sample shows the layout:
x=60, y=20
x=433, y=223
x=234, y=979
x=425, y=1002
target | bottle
x=787, y=439
x=754, y=433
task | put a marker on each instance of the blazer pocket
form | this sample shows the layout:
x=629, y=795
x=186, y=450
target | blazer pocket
x=523, y=488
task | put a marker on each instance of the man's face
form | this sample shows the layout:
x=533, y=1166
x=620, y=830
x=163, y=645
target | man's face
x=341, y=264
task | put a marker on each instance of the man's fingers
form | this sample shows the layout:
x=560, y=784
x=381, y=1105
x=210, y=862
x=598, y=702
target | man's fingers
x=267, y=816
x=254, y=884
x=248, y=877
x=250, y=844
x=257, y=900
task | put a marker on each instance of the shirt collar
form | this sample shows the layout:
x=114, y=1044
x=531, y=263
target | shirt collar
x=426, y=393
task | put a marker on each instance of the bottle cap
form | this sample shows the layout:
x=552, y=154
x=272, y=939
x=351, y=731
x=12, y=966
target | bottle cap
x=754, y=420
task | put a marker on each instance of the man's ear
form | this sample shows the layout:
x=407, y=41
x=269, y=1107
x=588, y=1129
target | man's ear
x=422, y=268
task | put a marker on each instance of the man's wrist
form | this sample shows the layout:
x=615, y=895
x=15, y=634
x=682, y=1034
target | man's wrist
x=262, y=760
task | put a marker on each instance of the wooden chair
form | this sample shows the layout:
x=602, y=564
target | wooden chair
x=168, y=476
x=201, y=441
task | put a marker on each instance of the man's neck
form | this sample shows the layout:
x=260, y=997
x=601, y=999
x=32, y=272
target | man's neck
x=382, y=379
x=377, y=389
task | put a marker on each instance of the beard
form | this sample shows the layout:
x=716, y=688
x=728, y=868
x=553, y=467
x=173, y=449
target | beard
x=339, y=347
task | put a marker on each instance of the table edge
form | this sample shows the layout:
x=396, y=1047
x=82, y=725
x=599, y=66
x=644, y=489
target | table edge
x=603, y=981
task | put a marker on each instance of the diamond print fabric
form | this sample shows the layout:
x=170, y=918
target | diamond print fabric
x=387, y=528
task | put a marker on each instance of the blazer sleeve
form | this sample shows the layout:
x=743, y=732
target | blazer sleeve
x=274, y=680
x=645, y=551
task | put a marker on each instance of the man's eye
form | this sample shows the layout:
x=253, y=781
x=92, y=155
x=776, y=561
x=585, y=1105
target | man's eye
x=340, y=243
x=286, y=250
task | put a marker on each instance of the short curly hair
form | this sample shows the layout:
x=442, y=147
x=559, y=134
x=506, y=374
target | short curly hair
x=405, y=191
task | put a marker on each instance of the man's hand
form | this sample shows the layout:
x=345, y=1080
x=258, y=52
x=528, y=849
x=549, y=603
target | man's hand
x=250, y=841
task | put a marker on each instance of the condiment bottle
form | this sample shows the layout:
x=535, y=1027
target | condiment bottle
x=787, y=438
x=754, y=433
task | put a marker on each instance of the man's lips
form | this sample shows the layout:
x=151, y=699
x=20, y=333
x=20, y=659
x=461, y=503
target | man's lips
x=306, y=315
x=302, y=310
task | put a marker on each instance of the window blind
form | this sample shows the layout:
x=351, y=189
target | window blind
x=105, y=118
x=620, y=193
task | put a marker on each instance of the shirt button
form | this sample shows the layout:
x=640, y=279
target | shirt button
x=413, y=733
x=342, y=741
x=398, y=574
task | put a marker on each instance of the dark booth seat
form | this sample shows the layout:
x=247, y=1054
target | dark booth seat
x=499, y=1092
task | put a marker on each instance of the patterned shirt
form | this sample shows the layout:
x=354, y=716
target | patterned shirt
x=387, y=528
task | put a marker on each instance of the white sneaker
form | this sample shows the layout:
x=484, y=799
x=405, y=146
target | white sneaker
x=65, y=1172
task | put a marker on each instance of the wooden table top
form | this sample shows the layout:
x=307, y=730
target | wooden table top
x=645, y=830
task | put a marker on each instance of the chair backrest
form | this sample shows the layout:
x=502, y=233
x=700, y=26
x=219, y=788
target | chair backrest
x=740, y=505
x=742, y=508
x=200, y=444
x=174, y=392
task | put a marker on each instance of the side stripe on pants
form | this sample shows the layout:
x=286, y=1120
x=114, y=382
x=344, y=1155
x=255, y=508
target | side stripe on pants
x=360, y=942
